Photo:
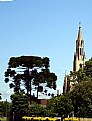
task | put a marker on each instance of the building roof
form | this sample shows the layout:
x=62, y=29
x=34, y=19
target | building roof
x=79, y=33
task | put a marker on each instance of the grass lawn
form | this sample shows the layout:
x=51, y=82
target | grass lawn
x=3, y=118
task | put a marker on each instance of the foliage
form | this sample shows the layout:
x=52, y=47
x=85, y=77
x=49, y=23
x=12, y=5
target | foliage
x=81, y=95
x=29, y=70
x=59, y=106
x=84, y=74
x=81, y=98
x=37, y=110
x=3, y=118
x=4, y=108
x=19, y=105
x=88, y=69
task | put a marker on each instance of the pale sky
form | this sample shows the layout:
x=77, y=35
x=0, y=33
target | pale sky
x=46, y=28
x=6, y=0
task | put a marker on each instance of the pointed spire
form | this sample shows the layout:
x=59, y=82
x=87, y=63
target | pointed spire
x=79, y=33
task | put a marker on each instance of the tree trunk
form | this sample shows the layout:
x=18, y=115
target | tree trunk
x=37, y=90
x=30, y=90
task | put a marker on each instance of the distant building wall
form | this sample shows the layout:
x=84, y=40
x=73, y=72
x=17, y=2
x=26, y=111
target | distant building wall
x=43, y=102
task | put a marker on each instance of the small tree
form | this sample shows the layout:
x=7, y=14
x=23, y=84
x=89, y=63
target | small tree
x=59, y=106
x=19, y=106
x=4, y=108
x=37, y=110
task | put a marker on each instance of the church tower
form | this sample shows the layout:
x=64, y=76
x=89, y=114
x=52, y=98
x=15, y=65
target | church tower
x=78, y=62
x=79, y=55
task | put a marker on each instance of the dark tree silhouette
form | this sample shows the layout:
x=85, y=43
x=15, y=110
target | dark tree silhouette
x=28, y=71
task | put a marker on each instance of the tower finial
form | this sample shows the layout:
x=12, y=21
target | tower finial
x=79, y=24
x=80, y=33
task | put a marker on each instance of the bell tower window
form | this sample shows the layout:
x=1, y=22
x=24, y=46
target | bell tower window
x=80, y=65
x=80, y=52
x=81, y=42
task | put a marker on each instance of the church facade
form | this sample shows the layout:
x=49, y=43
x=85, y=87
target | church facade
x=78, y=62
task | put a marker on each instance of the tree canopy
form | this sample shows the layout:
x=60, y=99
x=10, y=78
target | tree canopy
x=28, y=71
x=19, y=106
x=84, y=74
x=81, y=94
x=37, y=110
x=59, y=106
x=4, y=108
x=81, y=97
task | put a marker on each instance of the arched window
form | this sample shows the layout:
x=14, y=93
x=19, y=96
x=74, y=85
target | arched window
x=81, y=42
x=80, y=52
x=80, y=65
